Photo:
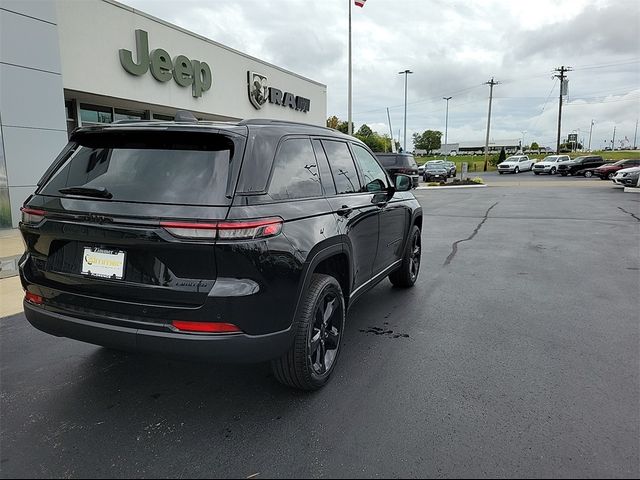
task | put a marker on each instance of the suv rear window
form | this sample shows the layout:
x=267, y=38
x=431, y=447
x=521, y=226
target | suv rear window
x=152, y=167
x=397, y=161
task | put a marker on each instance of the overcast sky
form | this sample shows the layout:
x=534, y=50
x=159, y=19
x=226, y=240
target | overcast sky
x=453, y=47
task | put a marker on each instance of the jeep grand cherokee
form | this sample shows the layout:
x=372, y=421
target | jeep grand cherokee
x=237, y=242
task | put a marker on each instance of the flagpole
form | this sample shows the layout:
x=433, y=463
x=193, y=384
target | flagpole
x=349, y=121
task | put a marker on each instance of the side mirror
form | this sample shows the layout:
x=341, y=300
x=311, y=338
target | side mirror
x=403, y=183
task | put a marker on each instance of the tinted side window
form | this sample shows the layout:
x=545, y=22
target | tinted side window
x=344, y=171
x=325, y=173
x=374, y=178
x=295, y=171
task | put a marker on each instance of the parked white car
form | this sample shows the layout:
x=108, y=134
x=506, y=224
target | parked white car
x=516, y=164
x=549, y=164
x=626, y=177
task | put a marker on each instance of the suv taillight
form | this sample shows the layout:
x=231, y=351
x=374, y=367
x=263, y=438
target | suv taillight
x=31, y=216
x=226, y=230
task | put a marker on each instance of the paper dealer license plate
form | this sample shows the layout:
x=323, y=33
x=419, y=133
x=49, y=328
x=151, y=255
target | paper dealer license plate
x=102, y=262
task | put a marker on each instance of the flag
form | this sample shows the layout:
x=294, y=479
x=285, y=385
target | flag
x=360, y=3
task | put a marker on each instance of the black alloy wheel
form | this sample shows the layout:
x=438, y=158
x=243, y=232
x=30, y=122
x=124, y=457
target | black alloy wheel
x=318, y=334
x=553, y=170
x=324, y=338
x=407, y=274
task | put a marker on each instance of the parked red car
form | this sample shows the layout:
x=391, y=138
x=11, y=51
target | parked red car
x=608, y=170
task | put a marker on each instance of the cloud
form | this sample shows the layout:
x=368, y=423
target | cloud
x=453, y=48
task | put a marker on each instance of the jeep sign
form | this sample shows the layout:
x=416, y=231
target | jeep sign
x=184, y=71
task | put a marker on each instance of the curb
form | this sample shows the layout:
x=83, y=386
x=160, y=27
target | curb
x=451, y=187
x=9, y=266
x=631, y=190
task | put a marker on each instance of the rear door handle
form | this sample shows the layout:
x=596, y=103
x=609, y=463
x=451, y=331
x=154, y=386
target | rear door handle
x=344, y=211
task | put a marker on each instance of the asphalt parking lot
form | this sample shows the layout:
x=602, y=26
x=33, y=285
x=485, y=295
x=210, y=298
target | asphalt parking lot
x=515, y=355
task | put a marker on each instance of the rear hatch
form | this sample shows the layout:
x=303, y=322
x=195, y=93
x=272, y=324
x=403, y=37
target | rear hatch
x=108, y=205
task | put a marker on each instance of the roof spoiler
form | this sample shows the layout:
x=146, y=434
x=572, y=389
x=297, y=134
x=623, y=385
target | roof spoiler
x=185, y=116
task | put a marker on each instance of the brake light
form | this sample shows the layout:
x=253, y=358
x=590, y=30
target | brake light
x=207, y=327
x=267, y=227
x=31, y=216
x=191, y=230
x=33, y=298
x=227, y=230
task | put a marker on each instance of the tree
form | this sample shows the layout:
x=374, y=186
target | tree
x=333, y=122
x=375, y=141
x=364, y=131
x=535, y=146
x=428, y=140
x=500, y=158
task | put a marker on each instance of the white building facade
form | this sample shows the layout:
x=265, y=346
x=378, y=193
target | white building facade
x=69, y=63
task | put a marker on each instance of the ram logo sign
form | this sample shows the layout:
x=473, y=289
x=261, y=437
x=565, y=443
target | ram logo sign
x=260, y=93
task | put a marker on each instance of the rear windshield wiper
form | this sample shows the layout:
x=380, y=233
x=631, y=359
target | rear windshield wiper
x=100, y=192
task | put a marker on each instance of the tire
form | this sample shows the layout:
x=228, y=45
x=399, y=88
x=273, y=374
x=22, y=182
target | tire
x=564, y=174
x=407, y=274
x=610, y=176
x=303, y=366
x=516, y=170
x=500, y=173
x=588, y=174
x=553, y=170
x=536, y=173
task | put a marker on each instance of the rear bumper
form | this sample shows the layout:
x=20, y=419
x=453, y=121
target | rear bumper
x=235, y=348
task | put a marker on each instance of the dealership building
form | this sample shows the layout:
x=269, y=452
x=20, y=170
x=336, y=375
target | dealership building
x=71, y=63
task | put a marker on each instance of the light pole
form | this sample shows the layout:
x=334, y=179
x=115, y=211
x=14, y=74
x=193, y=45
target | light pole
x=524, y=132
x=446, y=126
x=405, y=73
x=590, y=132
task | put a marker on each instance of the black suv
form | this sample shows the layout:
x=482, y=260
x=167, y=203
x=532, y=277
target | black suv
x=237, y=242
x=580, y=163
x=400, y=163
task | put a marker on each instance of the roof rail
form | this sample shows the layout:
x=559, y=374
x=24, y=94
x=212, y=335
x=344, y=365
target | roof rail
x=269, y=121
x=132, y=120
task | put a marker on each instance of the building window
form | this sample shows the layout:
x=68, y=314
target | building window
x=166, y=118
x=70, y=111
x=127, y=115
x=95, y=114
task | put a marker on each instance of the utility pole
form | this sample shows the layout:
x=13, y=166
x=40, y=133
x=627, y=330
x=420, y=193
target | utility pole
x=349, y=120
x=562, y=70
x=393, y=144
x=406, y=74
x=635, y=135
x=491, y=83
x=446, y=125
x=590, y=131
x=613, y=140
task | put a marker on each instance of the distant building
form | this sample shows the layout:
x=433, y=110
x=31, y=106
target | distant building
x=467, y=148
